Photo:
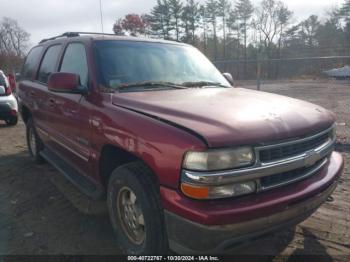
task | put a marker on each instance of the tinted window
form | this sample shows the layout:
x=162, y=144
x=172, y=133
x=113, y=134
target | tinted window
x=31, y=63
x=74, y=61
x=49, y=62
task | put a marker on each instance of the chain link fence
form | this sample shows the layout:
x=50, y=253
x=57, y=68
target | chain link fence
x=283, y=68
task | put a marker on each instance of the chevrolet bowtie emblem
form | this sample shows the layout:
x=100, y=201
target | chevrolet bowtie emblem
x=311, y=158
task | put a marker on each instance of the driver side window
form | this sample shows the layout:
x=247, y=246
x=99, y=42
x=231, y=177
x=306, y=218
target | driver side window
x=75, y=61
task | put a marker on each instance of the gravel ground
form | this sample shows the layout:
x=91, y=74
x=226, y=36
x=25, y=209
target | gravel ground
x=42, y=213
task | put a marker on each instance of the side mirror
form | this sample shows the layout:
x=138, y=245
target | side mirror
x=228, y=77
x=65, y=83
x=18, y=76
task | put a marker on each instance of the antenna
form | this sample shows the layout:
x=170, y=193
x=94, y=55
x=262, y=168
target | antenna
x=101, y=16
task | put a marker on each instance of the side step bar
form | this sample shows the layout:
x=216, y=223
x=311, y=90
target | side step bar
x=80, y=181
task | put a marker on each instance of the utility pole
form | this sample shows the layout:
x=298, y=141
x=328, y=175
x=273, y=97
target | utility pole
x=101, y=16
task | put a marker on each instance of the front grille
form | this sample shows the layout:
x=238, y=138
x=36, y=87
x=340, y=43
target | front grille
x=285, y=151
x=284, y=178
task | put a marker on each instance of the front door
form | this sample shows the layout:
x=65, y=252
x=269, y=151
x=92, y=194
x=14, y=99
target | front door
x=70, y=128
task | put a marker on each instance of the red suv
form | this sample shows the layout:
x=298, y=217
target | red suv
x=183, y=159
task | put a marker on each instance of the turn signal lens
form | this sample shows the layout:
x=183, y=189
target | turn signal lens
x=197, y=192
x=215, y=192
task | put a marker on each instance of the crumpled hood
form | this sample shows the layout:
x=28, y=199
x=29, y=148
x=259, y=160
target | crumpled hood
x=230, y=116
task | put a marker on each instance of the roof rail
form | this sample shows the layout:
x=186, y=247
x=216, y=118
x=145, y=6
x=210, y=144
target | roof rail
x=73, y=34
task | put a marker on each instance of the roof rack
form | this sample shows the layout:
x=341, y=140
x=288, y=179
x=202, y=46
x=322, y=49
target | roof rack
x=72, y=34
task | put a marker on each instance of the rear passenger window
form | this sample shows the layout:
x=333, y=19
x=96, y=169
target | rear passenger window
x=74, y=61
x=49, y=62
x=31, y=63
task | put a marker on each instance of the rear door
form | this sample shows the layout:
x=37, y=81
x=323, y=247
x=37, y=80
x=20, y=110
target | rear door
x=70, y=127
x=39, y=93
x=29, y=93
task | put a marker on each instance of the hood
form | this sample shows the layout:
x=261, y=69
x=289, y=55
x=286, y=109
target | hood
x=230, y=116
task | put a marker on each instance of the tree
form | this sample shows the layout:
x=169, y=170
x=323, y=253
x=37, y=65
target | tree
x=271, y=16
x=331, y=34
x=244, y=10
x=234, y=32
x=191, y=19
x=176, y=9
x=284, y=16
x=212, y=12
x=160, y=19
x=309, y=28
x=13, y=39
x=13, y=44
x=224, y=7
x=345, y=12
x=133, y=24
x=146, y=19
x=203, y=25
x=118, y=28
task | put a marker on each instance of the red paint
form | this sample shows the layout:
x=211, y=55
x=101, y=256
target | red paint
x=231, y=116
x=160, y=127
x=12, y=81
x=13, y=112
x=253, y=206
x=63, y=82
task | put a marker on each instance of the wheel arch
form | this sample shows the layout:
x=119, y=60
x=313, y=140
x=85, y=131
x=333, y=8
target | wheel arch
x=25, y=113
x=112, y=157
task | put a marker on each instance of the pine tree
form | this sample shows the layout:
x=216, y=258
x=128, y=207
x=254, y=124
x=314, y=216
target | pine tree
x=224, y=7
x=212, y=13
x=244, y=11
x=176, y=9
x=160, y=19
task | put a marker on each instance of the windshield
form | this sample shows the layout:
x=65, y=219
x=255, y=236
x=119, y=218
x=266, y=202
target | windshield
x=123, y=63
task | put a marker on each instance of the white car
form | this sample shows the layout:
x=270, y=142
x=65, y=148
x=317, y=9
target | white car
x=8, y=102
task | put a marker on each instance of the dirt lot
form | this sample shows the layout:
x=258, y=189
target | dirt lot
x=41, y=213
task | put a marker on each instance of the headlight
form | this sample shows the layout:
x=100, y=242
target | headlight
x=214, y=192
x=219, y=159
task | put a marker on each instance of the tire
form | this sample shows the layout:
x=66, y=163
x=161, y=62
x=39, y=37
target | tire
x=12, y=121
x=35, y=146
x=135, y=178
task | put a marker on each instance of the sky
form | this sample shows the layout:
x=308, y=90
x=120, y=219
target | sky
x=47, y=18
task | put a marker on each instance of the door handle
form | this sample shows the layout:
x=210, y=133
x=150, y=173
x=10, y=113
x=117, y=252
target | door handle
x=31, y=93
x=52, y=102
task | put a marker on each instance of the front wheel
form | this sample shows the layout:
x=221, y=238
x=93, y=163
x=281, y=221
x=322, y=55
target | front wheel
x=35, y=146
x=135, y=210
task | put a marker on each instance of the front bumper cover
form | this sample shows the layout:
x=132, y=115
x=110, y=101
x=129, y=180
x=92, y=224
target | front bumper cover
x=189, y=237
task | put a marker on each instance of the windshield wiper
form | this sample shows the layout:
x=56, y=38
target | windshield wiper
x=202, y=84
x=152, y=84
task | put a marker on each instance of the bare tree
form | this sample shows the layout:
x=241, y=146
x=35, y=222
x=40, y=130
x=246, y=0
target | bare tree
x=13, y=39
x=13, y=45
x=269, y=22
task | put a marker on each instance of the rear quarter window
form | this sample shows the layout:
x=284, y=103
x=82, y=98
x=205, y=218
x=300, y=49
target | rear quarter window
x=31, y=63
